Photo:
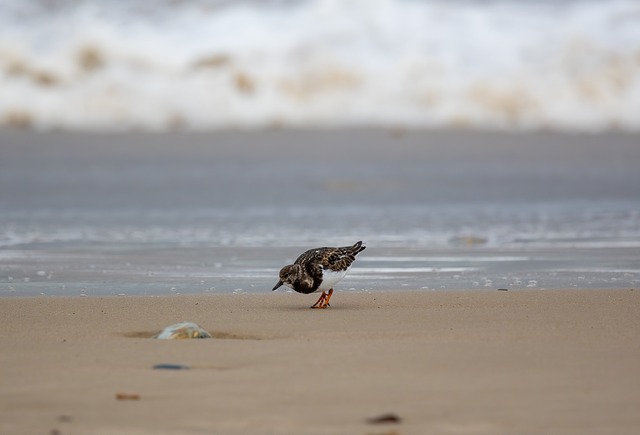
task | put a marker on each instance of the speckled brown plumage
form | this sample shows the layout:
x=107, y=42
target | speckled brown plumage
x=318, y=270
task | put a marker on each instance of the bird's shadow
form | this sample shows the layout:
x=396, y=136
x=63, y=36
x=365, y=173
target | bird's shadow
x=301, y=308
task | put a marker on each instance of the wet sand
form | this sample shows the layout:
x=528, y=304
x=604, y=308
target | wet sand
x=193, y=213
x=455, y=362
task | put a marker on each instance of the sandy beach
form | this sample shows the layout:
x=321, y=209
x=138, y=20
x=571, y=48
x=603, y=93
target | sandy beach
x=107, y=239
x=454, y=362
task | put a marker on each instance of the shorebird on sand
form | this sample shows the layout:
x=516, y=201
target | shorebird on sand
x=318, y=270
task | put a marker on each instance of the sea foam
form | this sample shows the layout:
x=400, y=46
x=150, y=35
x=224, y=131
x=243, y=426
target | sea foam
x=203, y=65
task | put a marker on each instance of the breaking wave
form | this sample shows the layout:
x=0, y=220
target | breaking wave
x=202, y=65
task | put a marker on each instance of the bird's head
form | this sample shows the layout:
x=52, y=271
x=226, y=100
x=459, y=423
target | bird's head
x=288, y=275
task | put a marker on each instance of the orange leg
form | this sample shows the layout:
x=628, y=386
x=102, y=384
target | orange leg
x=320, y=302
x=326, y=300
x=323, y=300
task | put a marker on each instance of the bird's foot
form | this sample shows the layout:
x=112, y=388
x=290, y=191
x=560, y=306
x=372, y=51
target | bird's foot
x=323, y=300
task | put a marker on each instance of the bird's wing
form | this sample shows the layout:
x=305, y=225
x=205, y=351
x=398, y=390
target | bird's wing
x=338, y=259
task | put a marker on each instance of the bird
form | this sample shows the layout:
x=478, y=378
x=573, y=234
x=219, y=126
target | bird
x=318, y=270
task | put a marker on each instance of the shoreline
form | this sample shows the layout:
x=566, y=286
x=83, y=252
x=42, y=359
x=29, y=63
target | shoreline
x=480, y=361
x=197, y=212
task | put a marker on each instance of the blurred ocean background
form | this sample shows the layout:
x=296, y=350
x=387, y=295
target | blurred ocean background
x=161, y=65
x=165, y=146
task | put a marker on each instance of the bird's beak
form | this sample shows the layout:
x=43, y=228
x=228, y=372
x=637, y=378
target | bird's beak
x=277, y=285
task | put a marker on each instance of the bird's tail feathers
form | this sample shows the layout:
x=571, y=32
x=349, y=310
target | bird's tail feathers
x=358, y=247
